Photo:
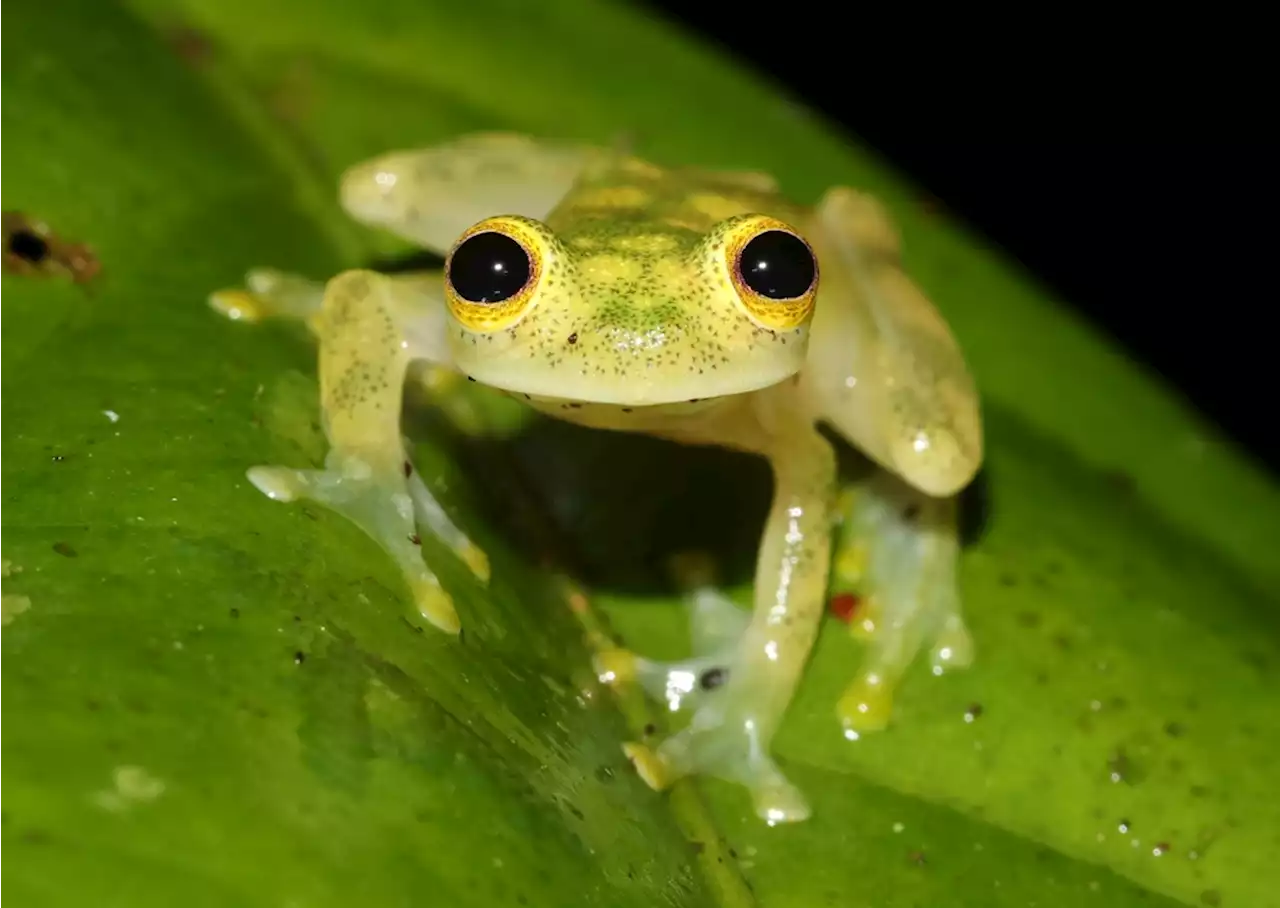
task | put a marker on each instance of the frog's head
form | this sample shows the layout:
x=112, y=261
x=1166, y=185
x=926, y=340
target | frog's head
x=630, y=313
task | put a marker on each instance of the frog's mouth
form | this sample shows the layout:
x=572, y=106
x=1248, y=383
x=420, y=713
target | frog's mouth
x=570, y=384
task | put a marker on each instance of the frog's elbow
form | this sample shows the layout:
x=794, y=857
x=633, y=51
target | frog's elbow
x=937, y=461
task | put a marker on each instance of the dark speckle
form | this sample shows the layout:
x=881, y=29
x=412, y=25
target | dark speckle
x=471, y=378
x=235, y=613
x=698, y=847
x=911, y=512
x=1211, y=897
x=416, y=539
x=299, y=657
x=1175, y=729
x=64, y=549
x=650, y=729
x=1028, y=619
x=573, y=338
x=408, y=469
x=713, y=678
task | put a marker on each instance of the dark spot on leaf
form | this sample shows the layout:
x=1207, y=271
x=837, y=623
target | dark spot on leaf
x=64, y=549
x=650, y=729
x=911, y=512
x=235, y=612
x=1007, y=579
x=299, y=657
x=733, y=853
x=416, y=539
x=573, y=338
x=408, y=469
x=28, y=246
x=1028, y=619
x=1175, y=729
x=698, y=847
x=1211, y=897
x=31, y=248
x=974, y=711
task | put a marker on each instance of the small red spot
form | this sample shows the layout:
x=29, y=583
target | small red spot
x=416, y=539
x=844, y=605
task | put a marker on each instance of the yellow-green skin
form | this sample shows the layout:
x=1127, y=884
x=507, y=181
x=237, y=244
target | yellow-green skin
x=635, y=320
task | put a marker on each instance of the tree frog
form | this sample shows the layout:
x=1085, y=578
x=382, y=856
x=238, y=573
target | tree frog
x=698, y=306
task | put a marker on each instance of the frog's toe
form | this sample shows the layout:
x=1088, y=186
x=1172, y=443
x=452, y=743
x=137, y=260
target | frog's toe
x=431, y=516
x=269, y=293
x=728, y=749
x=866, y=704
x=238, y=305
x=381, y=506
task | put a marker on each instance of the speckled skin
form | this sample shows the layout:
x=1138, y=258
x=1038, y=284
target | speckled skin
x=636, y=319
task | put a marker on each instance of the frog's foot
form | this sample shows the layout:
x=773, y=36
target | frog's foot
x=729, y=730
x=392, y=509
x=898, y=551
x=724, y=743
x=716, y=626
x=269, y=293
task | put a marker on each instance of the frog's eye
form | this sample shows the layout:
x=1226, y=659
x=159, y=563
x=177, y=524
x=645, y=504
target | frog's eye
x=490, y=274
x=774, y=271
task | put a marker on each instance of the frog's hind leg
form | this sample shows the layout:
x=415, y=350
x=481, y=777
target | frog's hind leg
x=366, y=326
x=897, y=550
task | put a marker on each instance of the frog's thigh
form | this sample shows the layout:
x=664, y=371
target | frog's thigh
x=897, y=549
x=370, y=328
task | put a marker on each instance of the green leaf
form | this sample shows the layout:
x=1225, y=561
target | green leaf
x=215, y=699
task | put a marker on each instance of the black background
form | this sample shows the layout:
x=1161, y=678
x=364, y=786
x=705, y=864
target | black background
x=1142, y=192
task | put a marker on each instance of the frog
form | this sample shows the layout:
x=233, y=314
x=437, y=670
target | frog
x=693, y=304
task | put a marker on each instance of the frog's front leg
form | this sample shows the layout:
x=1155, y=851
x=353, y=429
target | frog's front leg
x=370, y=328
x=897, y=549
x=744, y=678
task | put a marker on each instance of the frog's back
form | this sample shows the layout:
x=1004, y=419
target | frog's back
x=616, y=199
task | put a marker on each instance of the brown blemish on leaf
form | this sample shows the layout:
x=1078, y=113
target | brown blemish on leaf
x=32, y=249
x=191, y=44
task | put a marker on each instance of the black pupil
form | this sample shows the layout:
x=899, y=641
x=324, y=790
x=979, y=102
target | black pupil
x=778, y=265
x=488, y=268
x=28, y=246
